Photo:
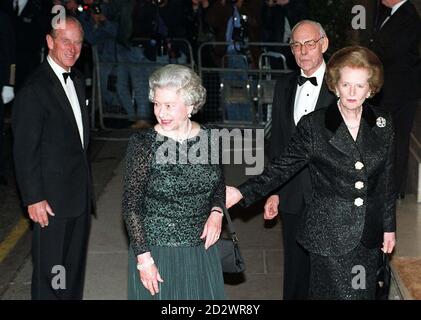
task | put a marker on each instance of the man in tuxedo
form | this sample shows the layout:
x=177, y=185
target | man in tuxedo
x=50, y=125
x=7, y=75
x=296, y=94
x=396, y=41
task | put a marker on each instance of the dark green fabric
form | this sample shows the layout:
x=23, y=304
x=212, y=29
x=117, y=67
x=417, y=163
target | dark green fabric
x=189, y=273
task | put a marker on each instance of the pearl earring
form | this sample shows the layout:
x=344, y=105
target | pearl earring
x=337, y=94
x=189, y=115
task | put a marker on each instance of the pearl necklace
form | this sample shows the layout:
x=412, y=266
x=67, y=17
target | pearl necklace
x=352, y=127
x=181, y=140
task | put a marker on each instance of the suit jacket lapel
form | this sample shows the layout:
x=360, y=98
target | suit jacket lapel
x=290, y=92
x=60, y=95
x=79, y=87
x=325, y=97
x=369, y=141
x=341, y=138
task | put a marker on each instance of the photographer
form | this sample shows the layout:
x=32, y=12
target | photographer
x=236, y=22
x=97, y=20
x=278, y=16
x=219, y=18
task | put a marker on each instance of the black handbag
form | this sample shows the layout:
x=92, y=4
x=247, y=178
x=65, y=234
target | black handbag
x=383, y=277
x=229, y=251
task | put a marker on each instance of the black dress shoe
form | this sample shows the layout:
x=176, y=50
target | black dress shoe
x=401, y=196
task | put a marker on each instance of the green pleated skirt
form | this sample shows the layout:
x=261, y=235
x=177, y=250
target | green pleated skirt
x=189, y=273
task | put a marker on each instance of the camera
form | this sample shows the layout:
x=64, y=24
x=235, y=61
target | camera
x=240, y=35
x=95, y=7
x=159, y=3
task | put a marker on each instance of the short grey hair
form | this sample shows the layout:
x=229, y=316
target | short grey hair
x=322, y=31
x=187, y=83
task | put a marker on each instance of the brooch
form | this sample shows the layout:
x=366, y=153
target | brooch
x=381, y=122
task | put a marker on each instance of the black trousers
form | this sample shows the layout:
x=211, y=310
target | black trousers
x=296, y=260
x=403, y=114
x=59, y=258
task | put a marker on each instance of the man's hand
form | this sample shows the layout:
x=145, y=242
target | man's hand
x=233, y=195
x=389, y=242
x=38, y=212
x=7, y=94
x=271, y=207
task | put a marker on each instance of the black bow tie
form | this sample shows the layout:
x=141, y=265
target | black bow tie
x=68, y=74
x=301, y=80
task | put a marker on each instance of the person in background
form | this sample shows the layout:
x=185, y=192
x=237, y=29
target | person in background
x=396, y=41
x=7, y=79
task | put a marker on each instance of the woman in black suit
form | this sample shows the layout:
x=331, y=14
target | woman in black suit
x=349, y=149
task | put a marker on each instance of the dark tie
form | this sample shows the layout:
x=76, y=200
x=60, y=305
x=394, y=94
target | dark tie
x=68, y=74
x=301, y=80
x=383, y=18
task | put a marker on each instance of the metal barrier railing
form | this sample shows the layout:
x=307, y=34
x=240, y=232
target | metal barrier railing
x=119, y=111
x=251, y=88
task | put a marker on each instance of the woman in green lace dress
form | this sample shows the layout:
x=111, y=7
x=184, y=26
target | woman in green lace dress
x=172, y=197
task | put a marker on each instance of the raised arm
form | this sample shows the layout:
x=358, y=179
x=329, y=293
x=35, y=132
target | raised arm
x=282, y=168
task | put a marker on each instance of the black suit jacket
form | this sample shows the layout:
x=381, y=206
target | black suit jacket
x=341, y=213
x=31, y=25
x=397, y=45
x=50, y=162
x=7, y=49
x=295, y=194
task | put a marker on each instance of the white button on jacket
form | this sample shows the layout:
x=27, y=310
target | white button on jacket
x=359, y=185
x=359, y=165
x=358, y=202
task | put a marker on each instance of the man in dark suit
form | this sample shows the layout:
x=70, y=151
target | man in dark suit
x=278, y=17
x=7, y=70
x=50, y=125
x=30, y=21
x=396, y=41
x=296, y=94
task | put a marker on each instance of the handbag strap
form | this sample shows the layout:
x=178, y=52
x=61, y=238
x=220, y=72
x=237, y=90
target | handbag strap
x=231, y=228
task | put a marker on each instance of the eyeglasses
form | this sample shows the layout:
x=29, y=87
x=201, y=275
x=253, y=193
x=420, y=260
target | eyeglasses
x=309, y=45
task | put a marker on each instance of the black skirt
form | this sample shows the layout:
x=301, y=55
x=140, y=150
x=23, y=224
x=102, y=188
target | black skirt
x=348, y=277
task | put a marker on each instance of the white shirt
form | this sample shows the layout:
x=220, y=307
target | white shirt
x=307, y=94
x=21, y=3
x=70, y=90
x=397, y=6
x=394, y=9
